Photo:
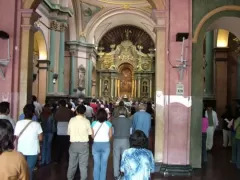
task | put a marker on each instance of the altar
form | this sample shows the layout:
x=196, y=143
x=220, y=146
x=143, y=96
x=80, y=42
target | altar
x=125, y=71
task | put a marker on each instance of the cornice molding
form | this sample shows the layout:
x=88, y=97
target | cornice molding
x=58, y=8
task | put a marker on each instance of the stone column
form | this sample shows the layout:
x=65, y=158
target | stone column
x=28, y=17
x=53, y=27
x=221, y=60
x=116, y=87
x=209, y=68
x=112, y=86
x=61, y=59
x=42, y=75
x=73, y=72
x=138, y=86
x=159, y=80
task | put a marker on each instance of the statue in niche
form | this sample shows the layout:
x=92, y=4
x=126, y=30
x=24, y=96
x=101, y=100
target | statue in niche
x=127, y=32
x=145, y=87
x=81, y=76
x=105, y=86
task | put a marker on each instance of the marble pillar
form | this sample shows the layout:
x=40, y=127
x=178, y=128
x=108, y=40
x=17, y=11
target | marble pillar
x=42, y=76
x=112, y=86
x=26, y=57
x=53, y=28
x=61, y=59
x=209, y=62
x=139, y=86
x=73, y=72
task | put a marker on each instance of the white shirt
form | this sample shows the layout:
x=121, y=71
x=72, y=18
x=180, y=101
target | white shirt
x=28, y=143
x=101, y=133
x=215, y=118
x=38, y=108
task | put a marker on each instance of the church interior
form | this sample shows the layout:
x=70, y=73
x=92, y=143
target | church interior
x=183, y=56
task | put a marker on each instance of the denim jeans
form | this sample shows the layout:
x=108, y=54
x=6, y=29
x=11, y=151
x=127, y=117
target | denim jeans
x=204, y=148
x=101, y=151
x=31, y=161
x=46, y=148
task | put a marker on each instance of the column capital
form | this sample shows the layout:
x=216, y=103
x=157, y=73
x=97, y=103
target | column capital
x=43, y=64
x=63, y=27
x=159, y=28
x=54, y=25
x=72, y=52
x=159, y=16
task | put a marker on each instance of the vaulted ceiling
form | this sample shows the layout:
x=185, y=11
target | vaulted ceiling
x=117, y=35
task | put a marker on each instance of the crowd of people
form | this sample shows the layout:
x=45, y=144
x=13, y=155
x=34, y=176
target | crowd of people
x=79, y=130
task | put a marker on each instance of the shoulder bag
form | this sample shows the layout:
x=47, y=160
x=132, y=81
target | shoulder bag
x=17, y=137
x=97, y=131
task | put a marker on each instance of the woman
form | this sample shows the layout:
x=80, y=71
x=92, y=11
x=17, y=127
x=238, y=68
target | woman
x=101, y=133
x=204, y=136
x=49, y=128
x=227, y=117
x=12, y=163
x=29, y=133
x=137, y=162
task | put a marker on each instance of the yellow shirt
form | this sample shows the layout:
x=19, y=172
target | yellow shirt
x=79, y=129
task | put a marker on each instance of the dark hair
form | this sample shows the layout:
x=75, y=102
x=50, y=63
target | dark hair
x=94, y=100
x=86, y=103
x=149, y=108
x=138, y=139
x=81, y=109
x=28, y=111
x=121, y=103
x=69, y=106
x=133, y=110
x=4, y=107
x=62, y=103
x=101, y=115
x=34, y=98
x=6, y=136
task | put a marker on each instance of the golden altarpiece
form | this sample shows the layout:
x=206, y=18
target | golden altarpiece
x=125, y=71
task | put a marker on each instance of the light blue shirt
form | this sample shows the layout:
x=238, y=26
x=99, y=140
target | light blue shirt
x=22, y=117
x=142, y=121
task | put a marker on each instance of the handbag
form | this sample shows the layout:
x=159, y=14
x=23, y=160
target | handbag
x=17, y=137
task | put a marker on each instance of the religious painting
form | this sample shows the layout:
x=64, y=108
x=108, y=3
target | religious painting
x=126, y=82
x=88, y=11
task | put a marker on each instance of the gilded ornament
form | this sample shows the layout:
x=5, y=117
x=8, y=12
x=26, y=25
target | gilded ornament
x=54, y=25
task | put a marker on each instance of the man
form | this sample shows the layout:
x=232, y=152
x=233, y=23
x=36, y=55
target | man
x=34, y=118
x=94, y=105
x=212, y=124
x=4, y=112
x=38, y=107
x=121, y=127
x=79, y=130
x=62, y=117
x=89, y=111
x=142, y=121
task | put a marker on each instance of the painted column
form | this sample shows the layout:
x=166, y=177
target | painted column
x=73, y=72
x=159, y=79
x=116, y=85
x=209, y=60
x=90, y=77
x=112, y=86
x=139, y=86
x=53, y=26
x=26, y=57
x=100, y=85
x=150, y=88
x=42, y=75
x=61, y=59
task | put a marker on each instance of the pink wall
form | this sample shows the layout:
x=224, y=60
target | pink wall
x=177, y=115
x=9, y=86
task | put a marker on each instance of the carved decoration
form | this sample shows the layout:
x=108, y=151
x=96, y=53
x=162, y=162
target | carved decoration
x=54, y=25
x=81, y=76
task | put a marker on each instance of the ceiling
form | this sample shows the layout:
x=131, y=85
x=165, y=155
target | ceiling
x=117, y=35
x=117, y=3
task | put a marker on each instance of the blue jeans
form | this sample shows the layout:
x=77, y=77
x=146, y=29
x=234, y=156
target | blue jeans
x=46, y=148
x=31, y=161
x=101, y=151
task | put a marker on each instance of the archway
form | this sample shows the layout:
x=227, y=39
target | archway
x=197, y=88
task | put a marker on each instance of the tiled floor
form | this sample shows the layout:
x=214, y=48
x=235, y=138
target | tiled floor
x=217, y=168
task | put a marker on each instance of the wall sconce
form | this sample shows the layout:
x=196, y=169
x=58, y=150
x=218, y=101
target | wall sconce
x=34, y=77
x=4, y=62
x=55, y=77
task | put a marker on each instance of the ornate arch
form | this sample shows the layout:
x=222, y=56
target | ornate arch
x=31, y=4
x=107, y=19
x=208, y=16
x=42, y=46
x=157, y=4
